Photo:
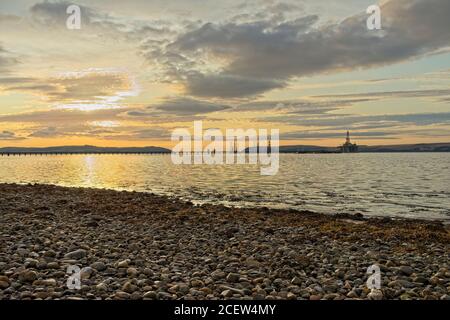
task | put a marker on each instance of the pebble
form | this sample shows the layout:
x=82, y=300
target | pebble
x=233, y=277
x=76, y=255
x=28, y=276
x=148, y=247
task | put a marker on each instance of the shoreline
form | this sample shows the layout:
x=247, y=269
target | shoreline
x=170, y=197
x=136, y=245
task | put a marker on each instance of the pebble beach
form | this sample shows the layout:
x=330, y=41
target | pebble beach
x=133, y=246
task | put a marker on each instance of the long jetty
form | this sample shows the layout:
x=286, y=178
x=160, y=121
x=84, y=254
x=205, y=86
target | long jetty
x=48, y=153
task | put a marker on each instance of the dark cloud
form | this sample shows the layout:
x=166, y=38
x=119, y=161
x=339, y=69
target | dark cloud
x=348, y=121
x=62, y=116
x=297, y=107
x=187, y=106
x=154, y=133
x=228, y=85
x=8, y=135
x=269, y=52
x=7, y=60
x=49, y=132
x=306, y=135
x=391, y=94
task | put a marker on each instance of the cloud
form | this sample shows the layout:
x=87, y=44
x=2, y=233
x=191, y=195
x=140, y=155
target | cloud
x=228, y=85
x=154, y=133
x=314, y=135
x=61, y=116
x=7, y=60
x=8, y=135
x=297, y=107
x=254, y=57
x=87, y=89
x=188, y=106
x=49, y=132
x=392, y=94
x=179, y=108
x=347, y=121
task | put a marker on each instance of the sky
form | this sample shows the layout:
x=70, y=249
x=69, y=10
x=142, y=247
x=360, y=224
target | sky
x=136, y=70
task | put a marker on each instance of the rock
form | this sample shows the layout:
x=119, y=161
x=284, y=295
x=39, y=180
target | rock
x=28, y=276
x=150, y=295
x=183, y=288
x=226, y=293
x=86, y=273
x=49, y=253
x=148, y=272
x=120, y=295
x=406, y=270
x=128, y=287
x=173, y=289
x=375, y=294
x=252, y=263
x=101, y=287
x=76, y=255
x=4, y=278
x=31, y=263
x=401, y=284
x=45, y=282
x=4, y=284
x=123, y=264
x=233, y=277
x=53, y=265
x=132, y=272
x=445, y=297
x=352, y=294
x=233, y=290
x=291, y=296
x=405, y=296
x=218, y=274
x=197, y=283
x=296, y=281
x=315, y=297
x=99, y=266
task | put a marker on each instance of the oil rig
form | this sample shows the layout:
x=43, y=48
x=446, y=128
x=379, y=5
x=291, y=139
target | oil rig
x=348, y=146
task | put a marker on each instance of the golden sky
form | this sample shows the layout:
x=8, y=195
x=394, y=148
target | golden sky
x=136, y=70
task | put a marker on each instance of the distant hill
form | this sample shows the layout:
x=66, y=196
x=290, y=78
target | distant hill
x=423, y=147
x=84, y=149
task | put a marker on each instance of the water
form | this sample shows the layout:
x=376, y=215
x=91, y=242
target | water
x=411, y=185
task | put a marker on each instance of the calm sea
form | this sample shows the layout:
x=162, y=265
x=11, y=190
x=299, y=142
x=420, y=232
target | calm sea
x=415, y=185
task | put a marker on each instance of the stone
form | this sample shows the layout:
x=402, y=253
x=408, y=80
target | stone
x=99, y=266
x=4, y=284
x=291, y=296
x=128, y=287
x=375, y=294
x=296, y=281
x=233, y=277
x=101, y=287
x=123, y=264
x=86, y=273
x=132, y=272
x=406, y=270
x=226, y=293
x=197, y=283
x=218, y=274
x=352, y=294
x=76, y=255
x=45, y=282
x=120, y=295
x=150, y=295
x=28, y=276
